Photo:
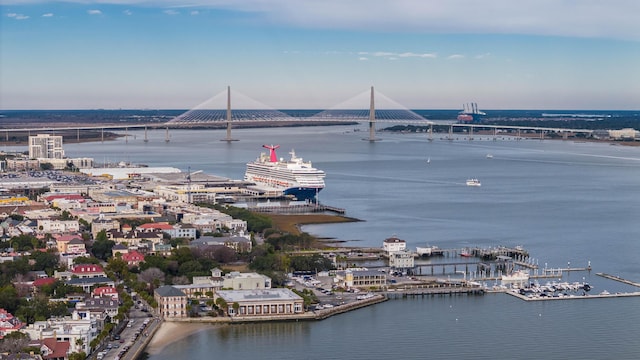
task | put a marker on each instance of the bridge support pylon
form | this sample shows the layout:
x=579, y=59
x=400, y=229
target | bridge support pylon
x=228, y=138
x=372, y=119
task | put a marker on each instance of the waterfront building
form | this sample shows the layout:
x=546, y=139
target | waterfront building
x=393, y=244
x=266, y=302
x=401, y=260
x=361, y=278
x=45, y=146
x=198, y=290
x=172, y=302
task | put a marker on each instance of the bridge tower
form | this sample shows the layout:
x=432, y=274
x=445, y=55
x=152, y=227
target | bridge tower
x=228, y=138
x=372, y=118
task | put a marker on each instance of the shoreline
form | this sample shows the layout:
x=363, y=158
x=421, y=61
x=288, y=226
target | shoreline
x=170, y=332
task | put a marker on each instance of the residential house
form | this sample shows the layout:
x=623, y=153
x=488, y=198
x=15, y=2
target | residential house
x=52, y=349
x=88, y=283
x=88, y=271
x=79, y=332
x=175, y=231
x=106, y=291
x=133, y=258
x=99, y=306
x=9, y=323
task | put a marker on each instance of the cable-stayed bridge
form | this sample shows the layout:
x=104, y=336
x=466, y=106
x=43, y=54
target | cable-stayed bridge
x=250, y=111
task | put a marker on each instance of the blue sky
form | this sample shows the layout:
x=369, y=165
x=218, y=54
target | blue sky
x=288, y=54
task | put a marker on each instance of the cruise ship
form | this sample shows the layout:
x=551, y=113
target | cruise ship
x=294, y=178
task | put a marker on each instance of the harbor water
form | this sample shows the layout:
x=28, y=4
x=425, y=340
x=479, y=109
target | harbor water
x=568, y=203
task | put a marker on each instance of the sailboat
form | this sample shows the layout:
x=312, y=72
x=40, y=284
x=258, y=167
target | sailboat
x=428, y=160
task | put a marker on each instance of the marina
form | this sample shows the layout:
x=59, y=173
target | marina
x=502, y=214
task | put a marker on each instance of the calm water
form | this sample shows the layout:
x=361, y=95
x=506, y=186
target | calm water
x=565, y=202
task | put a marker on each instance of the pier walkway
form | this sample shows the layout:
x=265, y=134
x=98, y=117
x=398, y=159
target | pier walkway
x=617, y=278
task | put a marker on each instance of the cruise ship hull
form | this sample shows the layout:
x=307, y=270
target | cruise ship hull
x=302, y=193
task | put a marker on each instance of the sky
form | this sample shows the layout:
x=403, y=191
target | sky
x=311, y=54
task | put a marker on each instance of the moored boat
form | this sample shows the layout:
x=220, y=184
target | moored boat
x=473, y=182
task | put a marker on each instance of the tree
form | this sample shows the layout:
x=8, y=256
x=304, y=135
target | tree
x=235, y=307
x=9, y=299
x=102, y=246
x=152, y=276
x=14, y=342
x=118, y=267
x=78, y=356
x=46, y=166
x=47, y=261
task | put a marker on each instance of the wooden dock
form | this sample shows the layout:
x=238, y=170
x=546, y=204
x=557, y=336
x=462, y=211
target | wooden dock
x=432, y=290
x=619, y=279
x=297, y=209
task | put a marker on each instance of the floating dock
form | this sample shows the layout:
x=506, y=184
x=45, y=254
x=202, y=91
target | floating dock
x=572, y=297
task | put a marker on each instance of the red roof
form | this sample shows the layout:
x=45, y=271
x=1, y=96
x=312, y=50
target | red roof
x=159, y=226
x=132, y=256
x=44, y=281
x=64, y=196
x=59, y=349
x=105, y=290
x=68, y=237
x=87, y=268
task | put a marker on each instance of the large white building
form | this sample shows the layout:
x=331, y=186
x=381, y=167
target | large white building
x=45, y=146
x=393, y=244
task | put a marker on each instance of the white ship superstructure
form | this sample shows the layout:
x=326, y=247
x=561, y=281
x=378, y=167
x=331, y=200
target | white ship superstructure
x=294, y=177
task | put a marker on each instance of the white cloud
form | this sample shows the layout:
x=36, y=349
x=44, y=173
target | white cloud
x=128, y=12
x=17, y=16
x=195, y=12
x=47, y=15
x=94, y=12
x=455, y=56
x=575, y=18
x=395, y=55
x=362, y=58
x=483, y=56
x=171, y=12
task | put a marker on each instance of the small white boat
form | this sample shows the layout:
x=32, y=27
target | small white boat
x=428, y=160
x=473, y=182
x=489, y=156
